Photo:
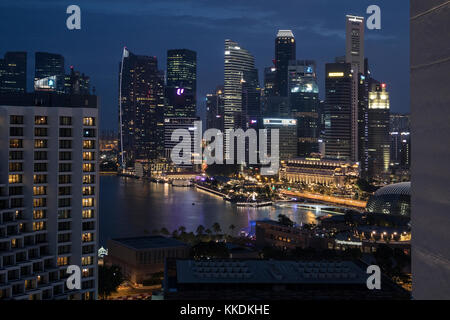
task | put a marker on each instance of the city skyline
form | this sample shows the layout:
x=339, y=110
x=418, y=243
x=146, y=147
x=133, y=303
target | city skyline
x=319, y=37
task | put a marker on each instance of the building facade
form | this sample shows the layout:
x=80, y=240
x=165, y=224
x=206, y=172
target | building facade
x=287, y=134
x=319, y=171
x=13, y=73
x=181, y=85
x=141, y=257
x=379, y=138
x=338, y=111
x=304, y=104
x=215, y=109
x=141, y=109
x=285, y=48
x=49, y=200
x=49, y=65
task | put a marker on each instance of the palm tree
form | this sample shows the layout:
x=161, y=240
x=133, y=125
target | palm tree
x=200, y=230
x=165, y=232
x=216, y=227
x=182, y=229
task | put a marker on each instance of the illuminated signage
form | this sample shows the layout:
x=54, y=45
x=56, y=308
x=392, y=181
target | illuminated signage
x=45, y=84
x=335, y=74
x=180, y=92
x=284, y=122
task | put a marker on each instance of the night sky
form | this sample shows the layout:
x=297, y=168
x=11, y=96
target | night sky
x=150, y=27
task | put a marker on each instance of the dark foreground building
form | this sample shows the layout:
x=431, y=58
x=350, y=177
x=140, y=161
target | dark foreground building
x=141, y=257
x=271, y=279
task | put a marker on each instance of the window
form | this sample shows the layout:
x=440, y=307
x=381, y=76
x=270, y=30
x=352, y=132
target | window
x=88, y=167
x=15, y=178
x=89, y=133
x=65, y=121
x=65, y=144
x=40, y=167
x=65, y=167
x=86, y=261
x=87, y=237
x=65, y=155
x=39, y=214
x=64, y=237
x=40, y=143
x=15, y=166
x=88, y=179
x=63, y=261
x=89, y=144
x=16, y=119
x=16, y=143
x=39, y=202
x=39, y=191
x=88, y=214
x=65, y=179
x=88, y=202
x=64, y=214
x=16, y=131
x=65, y=202
x=40, y=155
x=89, y=121
x=15, y=191
x=16, y=155
x=65, y=132
x=40, y=120
x=39, y=226
x=88, y=156
x=40, y=178
x=64, y=191
x=40, y=132
x=88, y=191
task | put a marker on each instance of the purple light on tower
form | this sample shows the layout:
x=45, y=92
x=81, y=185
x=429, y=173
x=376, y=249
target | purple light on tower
x=180, y=92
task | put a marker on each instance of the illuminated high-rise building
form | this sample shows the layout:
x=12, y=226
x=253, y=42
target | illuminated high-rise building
x=49, y=66
x=141, y=108
x=214, y=109
x=379, y=138
x=354, y=55
x=13, y=73
x=181, y=86
x=49, y=191
x=338, y=111
x=284, y=52
x=354, y=49
x=304, y=104
x=238, y=62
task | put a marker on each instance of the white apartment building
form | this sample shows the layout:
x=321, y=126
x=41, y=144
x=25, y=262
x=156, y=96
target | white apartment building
x=48, y=195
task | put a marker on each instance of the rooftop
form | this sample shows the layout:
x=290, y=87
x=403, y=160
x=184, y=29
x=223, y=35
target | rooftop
x=149, y=242
x=48, y=99
x=285, y=33
x=269, y=272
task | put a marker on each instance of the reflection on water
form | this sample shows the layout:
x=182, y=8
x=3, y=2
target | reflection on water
x=130, y=207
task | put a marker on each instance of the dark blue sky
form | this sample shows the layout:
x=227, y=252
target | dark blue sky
x=150, y=27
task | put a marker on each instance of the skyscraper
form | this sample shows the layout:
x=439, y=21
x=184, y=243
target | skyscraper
x=363, y=120
x=48, y=195
x=76, y=82
x=304, y=104
x=284, y=52
x=214, y=109
x=141, y=108
x=338, y=111
x=50, y=65
x=354, y=55
x=354, y=49
x=251, y=99
x=379, y=138
x=13, y=73
x=181, y=88
x=238, y=62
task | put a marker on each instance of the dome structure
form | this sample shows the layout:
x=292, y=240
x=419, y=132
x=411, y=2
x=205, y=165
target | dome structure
x=394, y=199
